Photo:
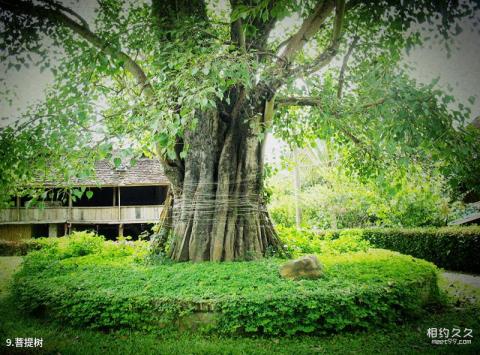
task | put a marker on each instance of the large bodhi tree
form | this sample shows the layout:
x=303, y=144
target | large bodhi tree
x=197, y=83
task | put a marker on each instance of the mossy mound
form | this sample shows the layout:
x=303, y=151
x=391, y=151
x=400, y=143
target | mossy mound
x=111, y=291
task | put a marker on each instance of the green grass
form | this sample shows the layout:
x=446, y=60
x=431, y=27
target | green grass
x=395, y=339
x=8, y=265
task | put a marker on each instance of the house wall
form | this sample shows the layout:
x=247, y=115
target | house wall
x=16, y=231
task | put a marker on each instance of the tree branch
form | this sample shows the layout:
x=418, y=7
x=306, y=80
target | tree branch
x=331, y=51
x=69, y=11
x=58, y=16
x=316, y=101
x=238, y=34
x=341, y=77
x=298, y=101
x=339, y=15
x=308, y=28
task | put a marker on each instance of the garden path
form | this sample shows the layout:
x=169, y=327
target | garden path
x=472, y=280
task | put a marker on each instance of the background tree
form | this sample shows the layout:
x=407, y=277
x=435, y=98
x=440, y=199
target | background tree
x=196, y=83
x=411, y=196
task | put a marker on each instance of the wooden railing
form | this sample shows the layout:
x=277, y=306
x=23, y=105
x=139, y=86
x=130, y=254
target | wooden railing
x=81, y=215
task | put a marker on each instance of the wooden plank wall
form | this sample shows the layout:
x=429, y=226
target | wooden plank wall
x=16, y=231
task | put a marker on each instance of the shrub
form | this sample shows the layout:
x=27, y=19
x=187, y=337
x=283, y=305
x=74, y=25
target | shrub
x=348, y=241
x=79, y=244
x=14, y=247
x=358, y=291
x=331, y=197
x=297, y=242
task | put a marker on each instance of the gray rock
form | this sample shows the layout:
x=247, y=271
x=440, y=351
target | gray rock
x=306, y=267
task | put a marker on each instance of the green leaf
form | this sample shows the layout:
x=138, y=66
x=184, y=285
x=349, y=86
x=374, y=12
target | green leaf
x=117, y=162
x=78, y=193
x=163, y=139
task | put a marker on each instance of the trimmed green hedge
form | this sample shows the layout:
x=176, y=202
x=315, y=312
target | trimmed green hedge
x=111, y=288
x=452, y=248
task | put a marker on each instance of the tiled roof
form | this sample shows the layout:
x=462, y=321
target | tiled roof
x=144, y=172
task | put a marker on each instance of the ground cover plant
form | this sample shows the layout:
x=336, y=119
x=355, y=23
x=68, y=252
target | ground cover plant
x=410, y=337
x=88, y=282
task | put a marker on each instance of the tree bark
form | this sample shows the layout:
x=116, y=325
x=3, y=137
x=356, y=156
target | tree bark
x=218, y=212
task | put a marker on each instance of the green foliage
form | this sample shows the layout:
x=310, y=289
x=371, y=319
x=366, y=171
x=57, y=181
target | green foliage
x=391, y=339
x=332, y=198
x=16, y=247
x=298, y=243
x=110, y=290
x=158, y=69
x=348, y=241
x=394, y=339
x=78, y=244
x=452, y=248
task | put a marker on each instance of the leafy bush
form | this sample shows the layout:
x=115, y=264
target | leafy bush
x=297, y=242
x=358, y=291
x=15, y=247
x=79, y=244
x=331, y=198
x=348, y=241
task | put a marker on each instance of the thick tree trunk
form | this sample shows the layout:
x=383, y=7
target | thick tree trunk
x=218, y=211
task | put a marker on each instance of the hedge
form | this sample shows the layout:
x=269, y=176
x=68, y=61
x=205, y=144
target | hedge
x=111, y=290
x=18, y=247
x=452, y=248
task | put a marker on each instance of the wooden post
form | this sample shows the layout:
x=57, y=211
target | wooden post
x=70, y=205
x=52, y=230
x=119, y=206
x=114, y=196
x=17, y=203
x=120, y=230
